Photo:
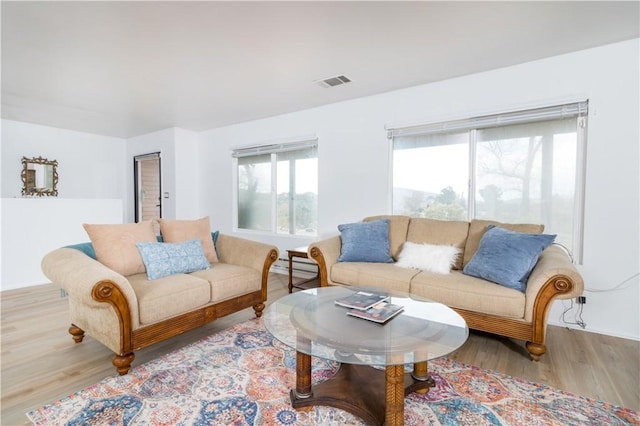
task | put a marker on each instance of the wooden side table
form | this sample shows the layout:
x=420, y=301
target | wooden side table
x=300, y=252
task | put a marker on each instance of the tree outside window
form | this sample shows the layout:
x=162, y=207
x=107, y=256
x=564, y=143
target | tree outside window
x=278, y=190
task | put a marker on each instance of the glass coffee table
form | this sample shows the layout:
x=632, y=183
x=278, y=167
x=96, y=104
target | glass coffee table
x=371, y=382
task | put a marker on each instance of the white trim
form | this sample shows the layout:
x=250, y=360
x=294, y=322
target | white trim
x=581, y=176
x=390, y=178
x=274, y=192
x=234, y=192
x=471, y=185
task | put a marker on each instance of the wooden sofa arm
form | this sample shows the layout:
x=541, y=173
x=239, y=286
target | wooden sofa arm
x=102, y=302
x=325, y=253
x=78, y=274
x=554, y=277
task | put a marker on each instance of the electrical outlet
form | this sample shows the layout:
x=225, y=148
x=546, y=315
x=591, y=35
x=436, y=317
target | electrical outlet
x=581, y=300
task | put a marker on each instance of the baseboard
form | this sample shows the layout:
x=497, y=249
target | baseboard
x=301, y=269
x=594, y=330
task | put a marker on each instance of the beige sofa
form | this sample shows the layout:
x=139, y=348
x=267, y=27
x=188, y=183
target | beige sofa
x=485, y=306
x=128, y=313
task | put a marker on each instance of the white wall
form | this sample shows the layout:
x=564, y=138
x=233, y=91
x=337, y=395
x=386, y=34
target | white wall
x=89, y=165
x=179, y=164
x=186, y=192
x=354, y=153
x=95, y=177
x=163, y=142
x=90, y=187
x=33, y=227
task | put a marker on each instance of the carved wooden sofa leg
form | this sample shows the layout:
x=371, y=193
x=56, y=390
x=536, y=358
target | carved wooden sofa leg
x=536, y=350
x=258, y=309
x=77, y=333
x=123, y=363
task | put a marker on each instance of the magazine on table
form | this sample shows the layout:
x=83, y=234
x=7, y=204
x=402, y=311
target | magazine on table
x=362, y=300
x=380, y=313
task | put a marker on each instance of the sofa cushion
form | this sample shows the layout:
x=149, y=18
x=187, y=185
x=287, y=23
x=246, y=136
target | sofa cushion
x=506, y=257
x=428, y=257
x=214, y=237
x=365, y=242
x=398, y=226
x=115, y=245
x=164, y=259
x=461, y=291
x=439, y=232
x=227, y=281
x=477, y=228
x=176, y=231
x=376, y=275
x=168, y=296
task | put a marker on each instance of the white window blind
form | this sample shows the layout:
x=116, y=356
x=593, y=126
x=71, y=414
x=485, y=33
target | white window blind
x=494, y=120
x=517, y=167
x=274, y=148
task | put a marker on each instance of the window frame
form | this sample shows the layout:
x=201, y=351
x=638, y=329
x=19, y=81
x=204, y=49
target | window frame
x=576, y=108
x=273, y=149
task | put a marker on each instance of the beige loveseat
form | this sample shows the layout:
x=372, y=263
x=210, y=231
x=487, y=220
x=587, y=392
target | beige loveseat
x=128, y=313
x=485, y=306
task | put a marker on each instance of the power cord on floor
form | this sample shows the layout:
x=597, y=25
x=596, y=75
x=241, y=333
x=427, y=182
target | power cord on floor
x=577, y=318
x=578, y=315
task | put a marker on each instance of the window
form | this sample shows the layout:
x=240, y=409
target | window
x=520, y=167
x=277, y=188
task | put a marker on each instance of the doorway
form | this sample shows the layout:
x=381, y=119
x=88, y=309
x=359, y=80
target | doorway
x=147, y=186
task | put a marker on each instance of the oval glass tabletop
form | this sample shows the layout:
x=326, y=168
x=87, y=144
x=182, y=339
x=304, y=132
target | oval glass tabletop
x=312, y=323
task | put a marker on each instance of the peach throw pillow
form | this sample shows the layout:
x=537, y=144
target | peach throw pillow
x=115, y=245
x=178, y=231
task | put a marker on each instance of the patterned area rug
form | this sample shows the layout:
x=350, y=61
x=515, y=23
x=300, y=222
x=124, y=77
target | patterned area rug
x=242, y=376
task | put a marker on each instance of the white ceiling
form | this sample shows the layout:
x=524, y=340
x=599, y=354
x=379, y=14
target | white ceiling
x=129, y=68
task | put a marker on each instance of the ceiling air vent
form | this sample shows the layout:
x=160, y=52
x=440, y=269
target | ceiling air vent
x=334, y=81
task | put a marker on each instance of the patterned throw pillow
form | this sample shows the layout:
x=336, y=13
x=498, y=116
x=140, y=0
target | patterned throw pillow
x=507, y=257
x=164, y=259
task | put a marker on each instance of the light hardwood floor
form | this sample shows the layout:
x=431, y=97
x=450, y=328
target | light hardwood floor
x=40, y=362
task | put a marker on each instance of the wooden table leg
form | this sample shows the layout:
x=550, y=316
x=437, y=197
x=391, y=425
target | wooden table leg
x=290, y=272
x=421, y=375
x=303, y=376
x=394, y=395
x=376, y=396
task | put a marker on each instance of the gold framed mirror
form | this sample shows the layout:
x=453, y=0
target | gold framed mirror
x=39, y=177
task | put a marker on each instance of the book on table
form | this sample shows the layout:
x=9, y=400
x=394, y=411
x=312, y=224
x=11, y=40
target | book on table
x=361, y=300
x=380, y=312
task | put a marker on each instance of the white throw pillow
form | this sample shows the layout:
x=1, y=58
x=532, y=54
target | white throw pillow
x=428, y=257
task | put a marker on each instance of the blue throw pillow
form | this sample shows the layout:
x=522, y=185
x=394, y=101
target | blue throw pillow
x=214, y=236
x=164, y=259
x=86, y=248
x=365, y=242
x=507, y=257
